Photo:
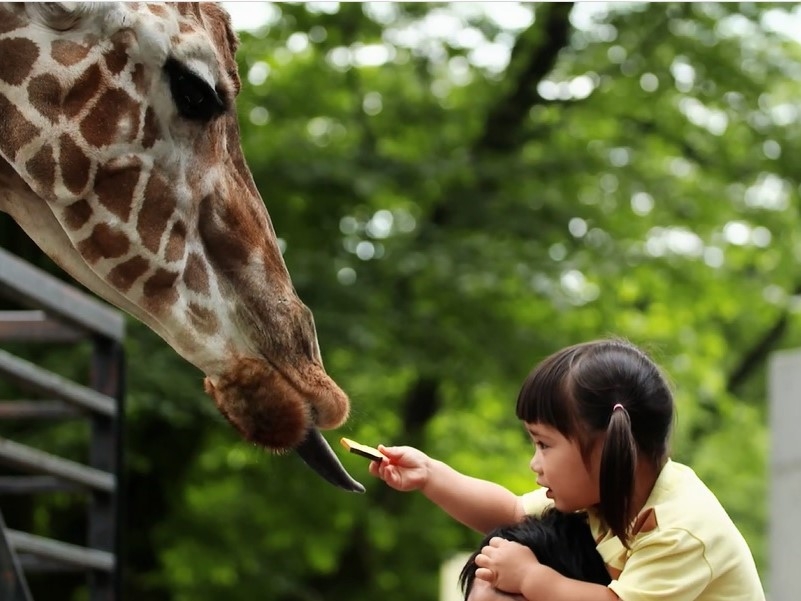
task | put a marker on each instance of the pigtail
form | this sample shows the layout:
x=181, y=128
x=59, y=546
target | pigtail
x=618, y=462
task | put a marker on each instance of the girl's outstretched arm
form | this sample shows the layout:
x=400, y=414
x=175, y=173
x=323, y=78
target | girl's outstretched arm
x=479, y=504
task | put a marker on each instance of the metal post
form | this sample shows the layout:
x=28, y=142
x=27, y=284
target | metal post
x=785, y=474
x=107, y=377
x=13, y=586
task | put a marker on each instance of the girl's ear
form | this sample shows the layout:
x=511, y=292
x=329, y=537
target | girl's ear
x=592, y=451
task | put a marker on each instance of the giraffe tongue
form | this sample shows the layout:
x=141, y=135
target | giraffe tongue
x=319, y=456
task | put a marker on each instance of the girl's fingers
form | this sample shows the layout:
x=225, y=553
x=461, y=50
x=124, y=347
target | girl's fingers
x=393, y=454
x=485, y=574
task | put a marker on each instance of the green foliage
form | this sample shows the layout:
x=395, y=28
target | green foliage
x=450, y=223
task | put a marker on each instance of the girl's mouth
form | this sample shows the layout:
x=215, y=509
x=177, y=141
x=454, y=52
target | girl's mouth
x=549, y=493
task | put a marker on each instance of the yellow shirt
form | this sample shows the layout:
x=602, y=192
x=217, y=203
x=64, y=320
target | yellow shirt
x=685, y=546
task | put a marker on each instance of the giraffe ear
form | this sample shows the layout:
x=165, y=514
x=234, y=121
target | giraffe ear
x=58, y=15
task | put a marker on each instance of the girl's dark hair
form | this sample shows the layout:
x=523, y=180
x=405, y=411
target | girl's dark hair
x=576, y=391
x=561, y=541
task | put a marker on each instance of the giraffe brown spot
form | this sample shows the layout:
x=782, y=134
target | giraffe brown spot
x=44, y=94
x=117, y=57
x=217, y=224
x=186, y=27
x=104, y=242
x=196, y=277
x=15, y=130
x=9, y=21
x=83, y=90
x=176, y=242
x=157, y=207
x=151, y=129
x=204, y=320
x=115, y=185
x=42, y=168
x=124, y=275
x=75, y=165
x=189, y=10
x=157, y=10
x=67, y=52
x=114, y=118
x=77, y=214
x=138, y=78
x=19, y=55
x=159, y=289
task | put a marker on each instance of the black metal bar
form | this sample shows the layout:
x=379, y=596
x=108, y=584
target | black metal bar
x=50, y=410
x=37, y=289
x=29, y=376
x=13, y=586
x=36, y=326
x=33, y=564
x=27, y=485
x=54, y=550
x=104, y=529
x=36, y=461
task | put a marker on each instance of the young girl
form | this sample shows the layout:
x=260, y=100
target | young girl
x=600, y=417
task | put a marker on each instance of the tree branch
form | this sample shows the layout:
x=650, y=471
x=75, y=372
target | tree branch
x=503, y=125
x=755, y=357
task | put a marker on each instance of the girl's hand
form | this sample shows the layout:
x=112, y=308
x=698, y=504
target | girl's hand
x=504, y=564
x=404, y=469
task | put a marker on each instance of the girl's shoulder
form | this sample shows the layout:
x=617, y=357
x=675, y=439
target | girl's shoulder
x=681, y=504
x=679, y=491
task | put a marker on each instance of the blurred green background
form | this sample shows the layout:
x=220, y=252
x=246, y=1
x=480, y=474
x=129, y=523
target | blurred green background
x=461, y=189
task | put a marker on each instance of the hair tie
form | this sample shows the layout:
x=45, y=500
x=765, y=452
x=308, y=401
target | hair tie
x=618, y=406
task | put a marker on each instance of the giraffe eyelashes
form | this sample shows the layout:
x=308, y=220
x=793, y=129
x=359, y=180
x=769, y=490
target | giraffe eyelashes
x=194, y=98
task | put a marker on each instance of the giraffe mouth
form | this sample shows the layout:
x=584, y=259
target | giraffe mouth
x=318, y=455
x=266, y=409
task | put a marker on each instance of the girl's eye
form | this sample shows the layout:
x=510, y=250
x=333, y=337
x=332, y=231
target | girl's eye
x=540, y=445
x=193, y=97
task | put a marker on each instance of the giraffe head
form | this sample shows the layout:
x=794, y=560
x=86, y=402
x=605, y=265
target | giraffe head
x=120, y=156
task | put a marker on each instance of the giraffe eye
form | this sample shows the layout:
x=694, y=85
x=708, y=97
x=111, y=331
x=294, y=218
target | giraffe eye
x=194, y=98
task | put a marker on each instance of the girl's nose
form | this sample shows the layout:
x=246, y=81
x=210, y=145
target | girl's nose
x=534, y=464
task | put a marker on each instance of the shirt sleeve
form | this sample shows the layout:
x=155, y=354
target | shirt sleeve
x=535, y=502
x=665, y=565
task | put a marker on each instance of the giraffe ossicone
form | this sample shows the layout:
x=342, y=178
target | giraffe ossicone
x=120, y=157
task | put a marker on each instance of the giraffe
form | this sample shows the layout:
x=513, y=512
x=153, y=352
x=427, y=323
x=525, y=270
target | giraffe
x=120, y=157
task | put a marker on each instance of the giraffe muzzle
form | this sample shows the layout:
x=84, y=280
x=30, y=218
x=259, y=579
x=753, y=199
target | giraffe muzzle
x=268, y=410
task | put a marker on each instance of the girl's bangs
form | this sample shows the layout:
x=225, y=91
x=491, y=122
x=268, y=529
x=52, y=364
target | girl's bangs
x=545, y=397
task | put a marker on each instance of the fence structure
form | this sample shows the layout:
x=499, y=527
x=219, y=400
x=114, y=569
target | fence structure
x=47, y=311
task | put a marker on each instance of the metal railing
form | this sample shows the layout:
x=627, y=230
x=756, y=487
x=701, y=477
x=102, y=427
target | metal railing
x=49, y=311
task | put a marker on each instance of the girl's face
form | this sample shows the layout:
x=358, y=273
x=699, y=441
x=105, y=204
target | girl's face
x=572, y=483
